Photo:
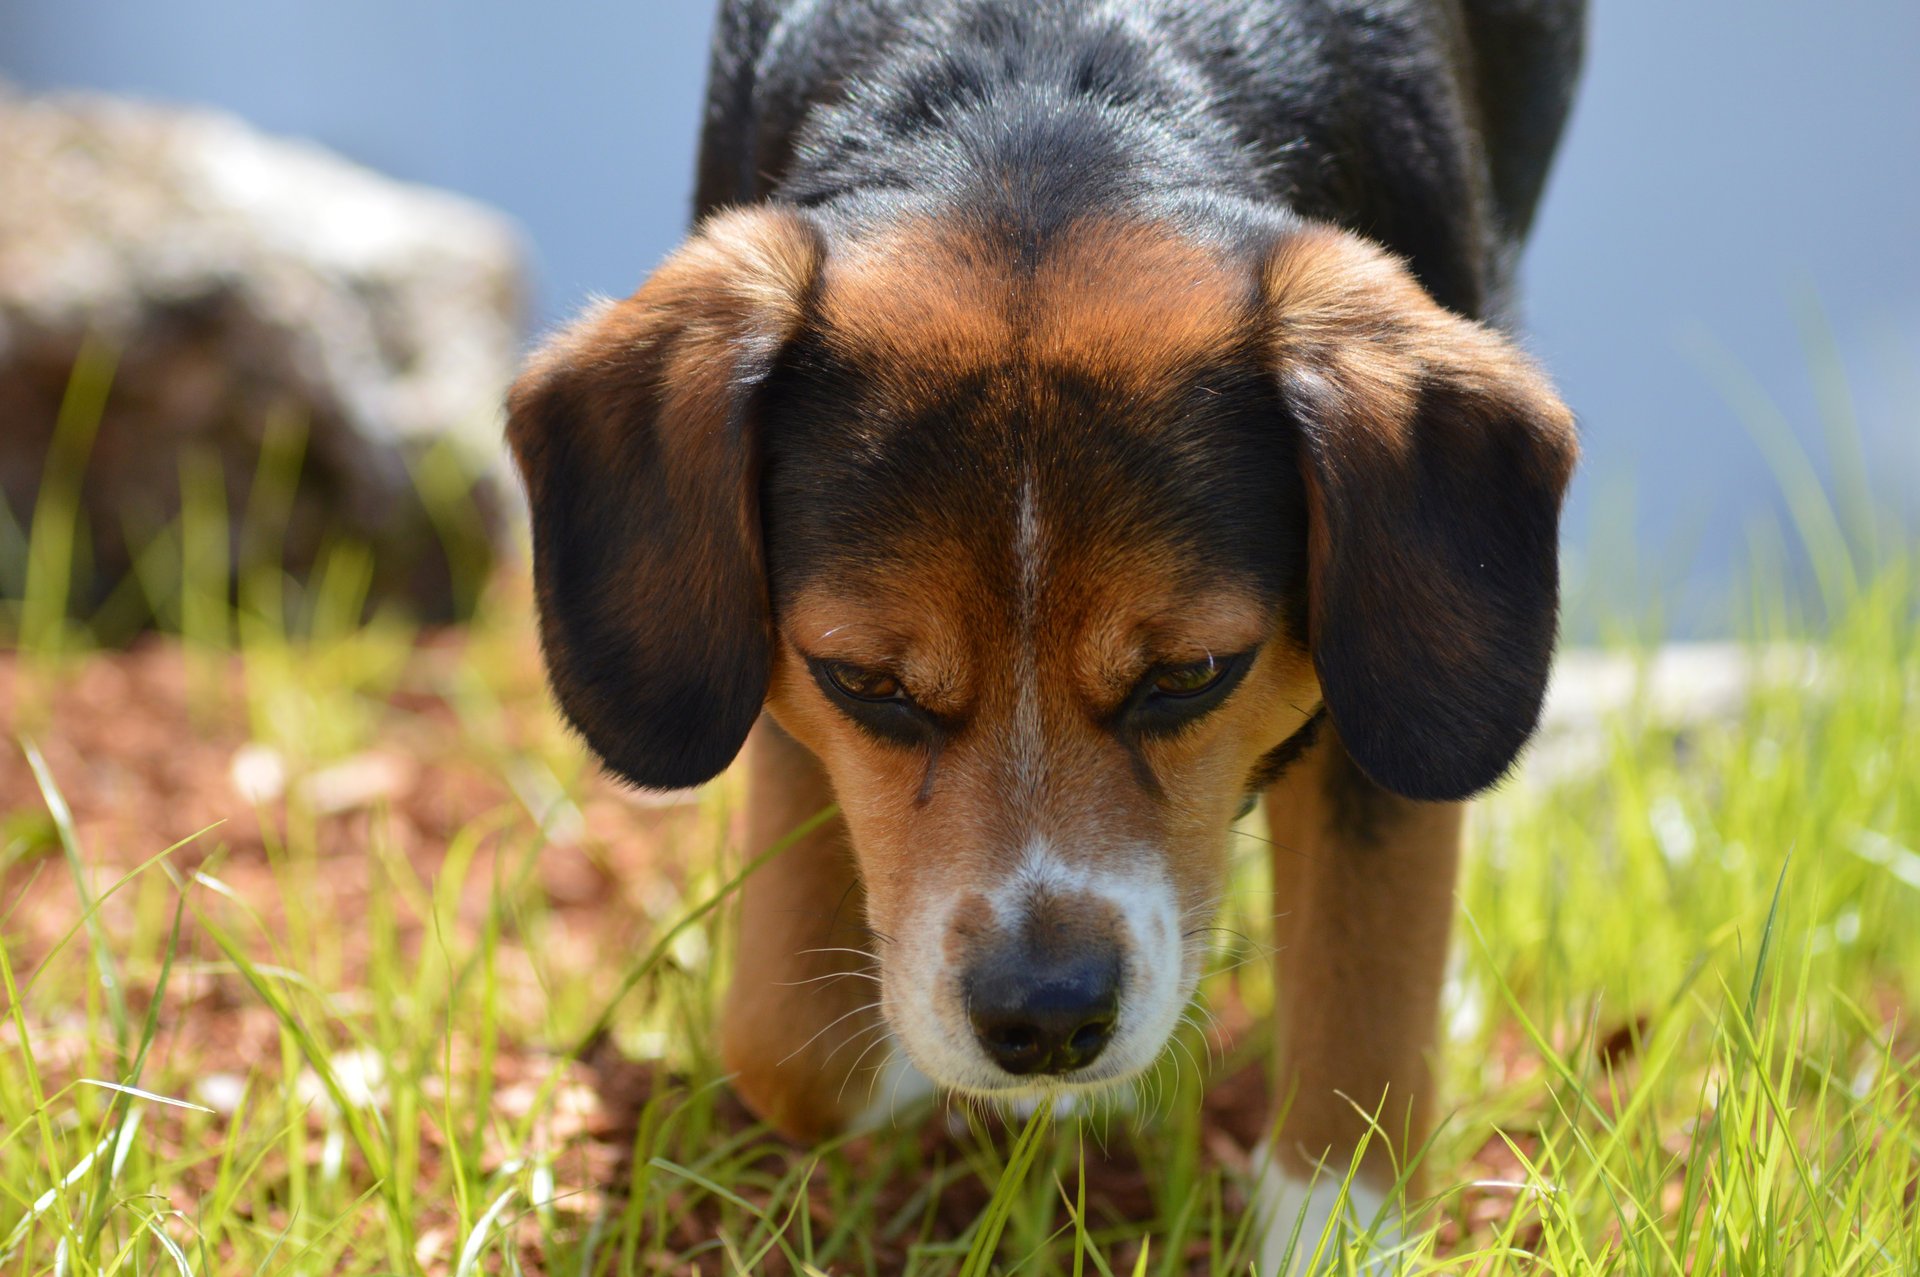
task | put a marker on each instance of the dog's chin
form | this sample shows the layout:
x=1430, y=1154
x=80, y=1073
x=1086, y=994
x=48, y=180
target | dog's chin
x=998, y=1085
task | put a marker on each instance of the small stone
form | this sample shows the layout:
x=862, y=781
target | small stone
x=258, y=773
x=221, y=1092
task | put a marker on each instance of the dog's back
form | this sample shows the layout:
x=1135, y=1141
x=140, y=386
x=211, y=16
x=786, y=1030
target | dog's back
x=1426, y=126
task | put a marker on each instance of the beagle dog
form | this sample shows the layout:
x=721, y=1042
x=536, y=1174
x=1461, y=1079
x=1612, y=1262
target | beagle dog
x=1069, y=424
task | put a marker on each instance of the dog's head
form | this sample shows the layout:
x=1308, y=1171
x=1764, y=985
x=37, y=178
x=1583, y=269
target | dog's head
x=1052, y=556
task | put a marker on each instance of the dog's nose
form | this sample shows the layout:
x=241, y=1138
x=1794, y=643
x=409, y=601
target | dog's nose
x=1044, y=1016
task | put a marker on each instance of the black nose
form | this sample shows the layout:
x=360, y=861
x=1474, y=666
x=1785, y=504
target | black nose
x=1044, y=1016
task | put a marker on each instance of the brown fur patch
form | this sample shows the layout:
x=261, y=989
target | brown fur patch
x=1125, y=300
x=1360, y=938
x=1353, y=327
x=926, y=294
x=1135, y=300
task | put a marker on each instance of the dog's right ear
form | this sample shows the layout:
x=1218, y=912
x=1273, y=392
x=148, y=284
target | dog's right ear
x=633, y=432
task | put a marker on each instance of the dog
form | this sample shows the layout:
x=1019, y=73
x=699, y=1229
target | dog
x=1068, y=425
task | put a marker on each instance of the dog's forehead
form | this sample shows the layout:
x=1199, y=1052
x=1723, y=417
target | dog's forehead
x=1129, y=301
x=1097, y=413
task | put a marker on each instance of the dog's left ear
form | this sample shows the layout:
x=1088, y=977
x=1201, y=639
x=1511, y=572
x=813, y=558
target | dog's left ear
x=1434, y=456
x=634, y=432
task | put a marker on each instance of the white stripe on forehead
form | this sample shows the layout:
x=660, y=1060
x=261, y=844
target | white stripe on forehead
x=1028, y=744
x=1027, y=549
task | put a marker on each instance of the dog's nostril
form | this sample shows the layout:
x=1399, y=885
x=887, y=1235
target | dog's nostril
x=1016, y=1046
x=1018, y=1038
x=1089, y=1038
x=1045, y=1018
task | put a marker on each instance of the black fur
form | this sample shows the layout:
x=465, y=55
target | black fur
x=667, y=697
x=1271, y=765
x=848, y=480
x=1426, y=127
x=1439, y=602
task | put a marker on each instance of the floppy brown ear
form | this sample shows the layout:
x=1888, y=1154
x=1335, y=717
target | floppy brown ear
x=632, y=431
x=1434, y=458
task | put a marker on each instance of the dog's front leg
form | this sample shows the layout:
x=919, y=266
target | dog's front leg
x=801, y=1029
x=1363, y=884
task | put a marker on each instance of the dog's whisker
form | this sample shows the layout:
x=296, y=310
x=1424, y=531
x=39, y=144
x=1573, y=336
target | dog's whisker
x=831, y=975
x=1206, y=1036
x=1210, y=1017
x=875, y=1072
x=858, y=953
x=1206, y=907
x=1237, y=963
x=871, y=1006
x=893, y=1097
x=1199, y=1072
x=855, y=1068
x=1277, y=846
x=854, y=1035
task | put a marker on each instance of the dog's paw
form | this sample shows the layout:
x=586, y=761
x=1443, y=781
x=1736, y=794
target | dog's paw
x=1303, y=1226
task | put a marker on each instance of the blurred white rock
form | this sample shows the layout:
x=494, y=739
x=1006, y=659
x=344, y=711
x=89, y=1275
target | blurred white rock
x=237, y=277
x=1680, y=687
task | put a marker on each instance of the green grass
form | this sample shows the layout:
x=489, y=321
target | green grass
x=329, y=1040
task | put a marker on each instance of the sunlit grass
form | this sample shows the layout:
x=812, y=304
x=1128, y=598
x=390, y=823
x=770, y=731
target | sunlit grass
x=1680, y=1013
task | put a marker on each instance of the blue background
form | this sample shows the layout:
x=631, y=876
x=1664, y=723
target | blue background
x=1738, y=199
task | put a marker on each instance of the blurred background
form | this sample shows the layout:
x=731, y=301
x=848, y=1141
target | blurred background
x=1724, y=277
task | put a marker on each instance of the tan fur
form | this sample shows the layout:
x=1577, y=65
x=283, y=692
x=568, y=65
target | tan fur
x=743, y=276
x=1134, y=301
x=1363, y=897
x=932, y=302
x=1350, y=315
x=793, y=1029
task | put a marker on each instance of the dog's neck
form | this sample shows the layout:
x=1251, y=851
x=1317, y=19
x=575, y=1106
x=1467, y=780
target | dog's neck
x=1024, y=116
x=1024, y=134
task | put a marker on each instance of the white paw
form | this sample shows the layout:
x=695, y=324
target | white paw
x=898, y=1091
x=1304, y=1226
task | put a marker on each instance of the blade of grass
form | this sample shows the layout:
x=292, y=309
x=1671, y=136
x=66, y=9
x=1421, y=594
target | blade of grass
x=993, y=1220
x=76, y=866
x=53, y=540
x=660, y=948
x=149, y=1030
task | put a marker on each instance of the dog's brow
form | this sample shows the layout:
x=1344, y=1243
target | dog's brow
x=1195, y=629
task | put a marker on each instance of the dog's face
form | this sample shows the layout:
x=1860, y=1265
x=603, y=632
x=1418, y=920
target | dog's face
x=1052, y=559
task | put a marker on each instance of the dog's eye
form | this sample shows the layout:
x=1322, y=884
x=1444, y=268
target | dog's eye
x=876, y=700
x=862, y=684
x=1190, y=680
x=1172, y=696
